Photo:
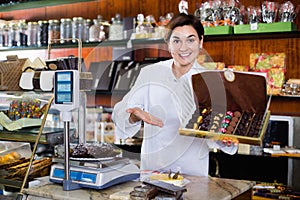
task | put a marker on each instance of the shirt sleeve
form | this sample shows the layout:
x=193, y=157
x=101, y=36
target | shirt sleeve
x=134, y=98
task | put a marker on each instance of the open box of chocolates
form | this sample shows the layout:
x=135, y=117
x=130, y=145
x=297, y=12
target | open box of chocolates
x=231, y=105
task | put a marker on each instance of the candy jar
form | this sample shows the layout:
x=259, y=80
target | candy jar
x=140, y=30
x=5, y=34
x=95, y=30
x=148, y=27
x=86, y=30
x=78, y=28
x=269, y=11
x=13, y=36
x=116, y=28
x=23, y=33
x=183, y=6
x=43, y=33
x=33, y=31
x=1, y=35
x=287, y=12
x=65, y=29
x=254, y=14
x=54, y=31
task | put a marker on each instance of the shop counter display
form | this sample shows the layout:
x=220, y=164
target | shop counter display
x=207, y=188
x=50, y=135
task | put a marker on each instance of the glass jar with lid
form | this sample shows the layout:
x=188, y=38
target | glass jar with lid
x=54, y=30
x=43, y=33
x=86, y=30
x=94, y=31
x=149, y=27
x=78, y=26
x=1, y=35
x=33, y=31
x=14, y=35
x=116, y=28
x=6, y=34
x=140, y=30
x=23, y=33
x=65, y=30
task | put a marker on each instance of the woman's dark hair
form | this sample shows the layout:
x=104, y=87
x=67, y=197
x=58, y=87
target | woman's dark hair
x=182, y=20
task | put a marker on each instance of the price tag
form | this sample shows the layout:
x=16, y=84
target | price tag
x=253, y=26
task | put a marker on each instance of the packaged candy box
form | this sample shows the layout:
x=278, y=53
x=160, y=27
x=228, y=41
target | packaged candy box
x=214, y=65
x=274, y=65
x=231, y=105
x=241, y=68
x=22, y=113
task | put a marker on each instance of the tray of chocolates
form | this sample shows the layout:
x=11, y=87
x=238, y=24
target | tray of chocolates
x=231, y=105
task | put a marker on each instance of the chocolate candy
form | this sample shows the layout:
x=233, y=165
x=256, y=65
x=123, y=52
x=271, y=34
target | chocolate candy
x=232, y=123
x=224, y=125
x=230, y=129
x=237, y=114
x=230, y=113
x=199, y=120
x=25, y=109
x=228, y=117
x=222, y=130
x=227, y=121
x=235, y=119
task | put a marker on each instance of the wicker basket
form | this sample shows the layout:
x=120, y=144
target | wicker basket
x=10, y=73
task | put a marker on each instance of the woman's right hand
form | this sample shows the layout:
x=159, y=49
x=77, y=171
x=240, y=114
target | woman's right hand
x=137, y=114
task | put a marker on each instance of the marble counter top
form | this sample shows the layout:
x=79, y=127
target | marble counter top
x=208, y=188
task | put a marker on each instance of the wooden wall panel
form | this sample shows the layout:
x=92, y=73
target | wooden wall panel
x=285, y=106
x=146, y=51
x=219, y=51
x=96, y=54
x=34, y=14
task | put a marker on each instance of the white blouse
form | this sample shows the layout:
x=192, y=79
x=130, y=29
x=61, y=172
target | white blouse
x=158, y=92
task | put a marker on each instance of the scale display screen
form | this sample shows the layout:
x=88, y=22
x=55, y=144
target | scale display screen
x=76, y=175
x=64, y=87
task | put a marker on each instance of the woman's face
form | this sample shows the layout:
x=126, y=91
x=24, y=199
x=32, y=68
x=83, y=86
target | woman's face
x=184, y=45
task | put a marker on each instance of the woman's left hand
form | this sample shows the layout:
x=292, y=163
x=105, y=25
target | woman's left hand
x=137, y=114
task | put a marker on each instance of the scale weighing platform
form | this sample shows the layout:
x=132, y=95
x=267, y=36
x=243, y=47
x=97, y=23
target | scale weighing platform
x=96, y=174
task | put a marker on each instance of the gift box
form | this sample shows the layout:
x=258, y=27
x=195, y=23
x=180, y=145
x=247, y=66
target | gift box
x=273, y=65
x=231, y=105
x=241, y=68
x=213, y=65
x=11, y=71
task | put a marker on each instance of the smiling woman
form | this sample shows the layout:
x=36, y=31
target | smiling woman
x=184, y=37
x=184, y=46
x=163, y=99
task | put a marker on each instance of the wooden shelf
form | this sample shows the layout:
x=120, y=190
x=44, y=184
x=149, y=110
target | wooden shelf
x=253, y=36
x=146, y=41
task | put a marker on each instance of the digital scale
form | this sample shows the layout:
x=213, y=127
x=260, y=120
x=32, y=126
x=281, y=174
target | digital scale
x=97, y=175
x=75, y=173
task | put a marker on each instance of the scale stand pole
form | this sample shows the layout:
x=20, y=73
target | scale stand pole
x=67, y=182
x=66, y=99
